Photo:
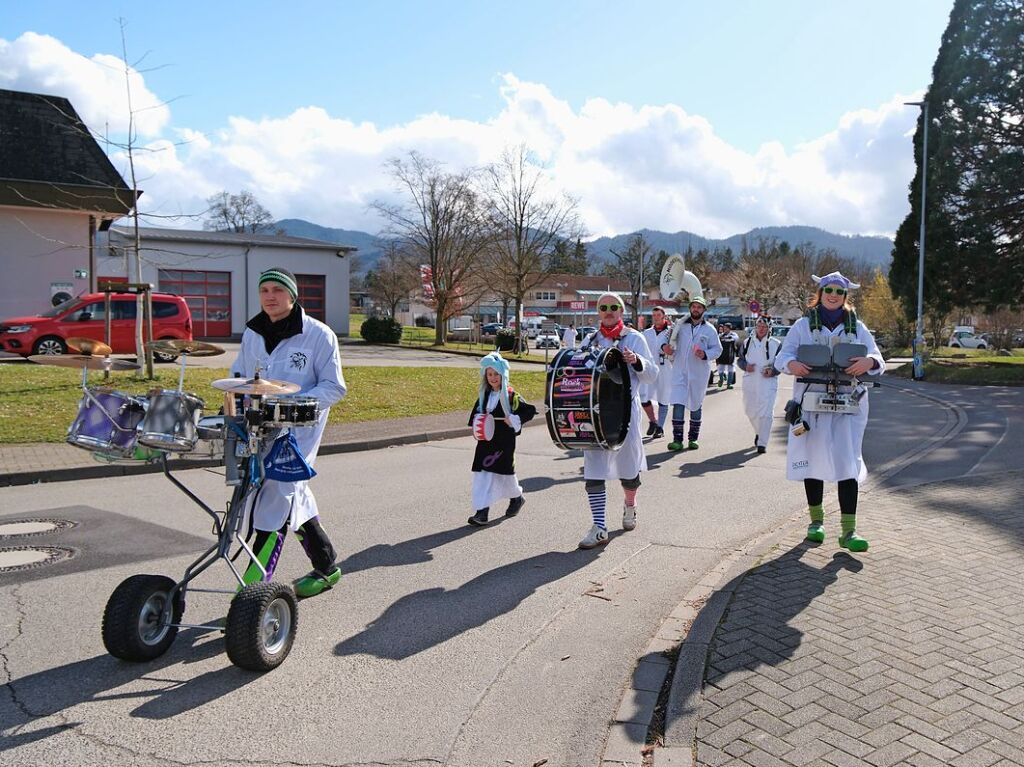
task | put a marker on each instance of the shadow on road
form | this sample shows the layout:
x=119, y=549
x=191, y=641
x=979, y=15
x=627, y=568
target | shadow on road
x=94, y=680
x=429, y=617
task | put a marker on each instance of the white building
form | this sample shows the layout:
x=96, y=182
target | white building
x=217, y=273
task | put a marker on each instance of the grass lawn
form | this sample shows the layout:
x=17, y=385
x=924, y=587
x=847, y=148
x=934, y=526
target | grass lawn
x=946, y=352
x=38, y=403
x=972, y=371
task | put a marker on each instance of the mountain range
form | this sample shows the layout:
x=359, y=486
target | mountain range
x=867, y=250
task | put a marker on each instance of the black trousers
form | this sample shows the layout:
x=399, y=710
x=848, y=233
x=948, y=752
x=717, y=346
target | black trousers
x=311, y=535
x=815, y=491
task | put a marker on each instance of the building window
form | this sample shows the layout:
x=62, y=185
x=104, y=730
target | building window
x=313, y=295
x=544, y=295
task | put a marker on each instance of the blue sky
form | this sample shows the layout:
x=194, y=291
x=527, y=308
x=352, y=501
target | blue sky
x=765, y=78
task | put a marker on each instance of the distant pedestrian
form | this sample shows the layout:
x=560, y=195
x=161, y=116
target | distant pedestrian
x=569, y=336
x=726, y=360
x=760, y=382
x=494, y=469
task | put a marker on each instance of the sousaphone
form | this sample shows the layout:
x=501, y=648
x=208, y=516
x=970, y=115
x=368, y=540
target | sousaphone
x=675, y=281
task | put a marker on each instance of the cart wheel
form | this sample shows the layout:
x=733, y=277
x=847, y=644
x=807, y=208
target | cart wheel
x=131, y=620
x=261, y=625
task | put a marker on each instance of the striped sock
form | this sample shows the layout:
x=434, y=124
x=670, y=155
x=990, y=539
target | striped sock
x=597, y=503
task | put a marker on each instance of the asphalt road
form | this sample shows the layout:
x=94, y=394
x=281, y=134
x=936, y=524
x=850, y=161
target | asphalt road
x=443, y=644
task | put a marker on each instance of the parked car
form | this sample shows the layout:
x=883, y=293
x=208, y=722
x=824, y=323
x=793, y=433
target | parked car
x=583, y=332
x=780, y=331
x=491, y=328
x=964, y=337
x=548, y=341
x=85, y=316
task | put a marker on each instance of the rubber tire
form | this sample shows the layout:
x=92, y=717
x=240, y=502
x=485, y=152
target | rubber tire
x=58, y=339
x=123, y=613
x=243, y=632
x=165, y=357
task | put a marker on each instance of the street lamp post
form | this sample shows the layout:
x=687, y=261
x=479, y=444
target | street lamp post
x=919, y=339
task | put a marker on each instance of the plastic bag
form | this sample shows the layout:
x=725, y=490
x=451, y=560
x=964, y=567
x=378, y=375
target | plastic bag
x=285, y=462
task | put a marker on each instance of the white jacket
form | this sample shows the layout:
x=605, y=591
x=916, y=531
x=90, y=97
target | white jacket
x=661, y=391
x=311, y=360
x=689, y=372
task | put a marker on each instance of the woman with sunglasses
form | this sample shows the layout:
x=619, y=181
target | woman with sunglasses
x=626, y=463
x=831, y=450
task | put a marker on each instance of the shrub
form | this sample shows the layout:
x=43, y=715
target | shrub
x=381, y=330
x=505, y=339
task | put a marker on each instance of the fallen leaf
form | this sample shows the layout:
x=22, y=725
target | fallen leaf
x=538, y=764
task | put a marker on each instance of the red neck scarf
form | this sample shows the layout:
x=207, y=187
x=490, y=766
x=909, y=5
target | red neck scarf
x=658, y=328
x=613, y=332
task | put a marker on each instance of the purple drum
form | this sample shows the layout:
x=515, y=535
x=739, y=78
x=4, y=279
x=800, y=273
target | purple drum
x=106, y=423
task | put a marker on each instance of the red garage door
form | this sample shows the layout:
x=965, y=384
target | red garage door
x=313, y=295
x=208, y=295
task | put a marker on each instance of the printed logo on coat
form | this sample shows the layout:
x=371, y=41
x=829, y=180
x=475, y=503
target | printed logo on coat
x=800, y=464
x=492, y=459
x=298, y=360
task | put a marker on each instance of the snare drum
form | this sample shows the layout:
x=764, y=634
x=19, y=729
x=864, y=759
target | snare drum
x=106, y=423
x=171, y=420
x=483, y=427
x=290, y=410
x=588, y=398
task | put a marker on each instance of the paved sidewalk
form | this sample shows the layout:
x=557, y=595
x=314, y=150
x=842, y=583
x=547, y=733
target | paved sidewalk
x=911, y=653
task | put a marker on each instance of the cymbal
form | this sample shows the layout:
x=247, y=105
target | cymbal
x=255, y=386
x=88, y=346
x=83, y=361
x=181, y=346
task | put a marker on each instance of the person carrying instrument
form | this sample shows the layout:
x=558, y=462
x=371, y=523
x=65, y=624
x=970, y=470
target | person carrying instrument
x=494, y=470
x=657, y=336
x=760, y=380
x=828, y=447
x=695, y=348
x=569, y=336
x=727, y=359
x=626, y=463
x=283, y=343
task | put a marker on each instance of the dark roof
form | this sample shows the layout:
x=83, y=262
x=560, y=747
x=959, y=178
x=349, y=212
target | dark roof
x=230, y=238
x=48, y=158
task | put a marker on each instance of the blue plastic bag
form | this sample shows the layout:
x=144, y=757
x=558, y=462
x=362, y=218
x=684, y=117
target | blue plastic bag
x=285, y=462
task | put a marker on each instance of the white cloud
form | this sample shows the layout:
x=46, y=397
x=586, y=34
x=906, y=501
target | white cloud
x=96, y=87
x=630, y=166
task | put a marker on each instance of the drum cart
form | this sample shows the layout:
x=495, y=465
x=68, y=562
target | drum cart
x=143, y=614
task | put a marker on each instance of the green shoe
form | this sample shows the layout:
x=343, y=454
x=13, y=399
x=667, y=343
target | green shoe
x=816, y=533
x=692, y=445
x=315, y=583
x=675, y=447
x=853, y=542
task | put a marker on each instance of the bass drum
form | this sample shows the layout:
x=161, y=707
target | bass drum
x=588, y=399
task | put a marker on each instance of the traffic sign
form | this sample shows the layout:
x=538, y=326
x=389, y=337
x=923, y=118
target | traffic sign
x=754, y=307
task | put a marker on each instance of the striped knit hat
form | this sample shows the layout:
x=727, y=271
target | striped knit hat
x=283, y=277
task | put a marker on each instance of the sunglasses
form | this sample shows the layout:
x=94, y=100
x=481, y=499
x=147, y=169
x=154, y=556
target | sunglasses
x=609, y=307
x=832, y=289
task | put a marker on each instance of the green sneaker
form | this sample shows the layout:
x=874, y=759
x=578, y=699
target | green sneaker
x=315, y=582
x=675, y=447
x=816, y=533
x=692, y=445
x=853, y=542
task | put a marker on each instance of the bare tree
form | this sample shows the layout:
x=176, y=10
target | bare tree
x=238, y=213
x=637, y=265
x=441, y=226
x=527, y=220
x=393, y=279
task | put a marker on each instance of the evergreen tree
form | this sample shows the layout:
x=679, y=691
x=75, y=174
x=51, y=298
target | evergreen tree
x=974, y=205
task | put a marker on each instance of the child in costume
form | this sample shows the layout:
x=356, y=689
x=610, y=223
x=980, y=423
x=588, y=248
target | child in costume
x=494, y=472
x=727, y=359
x=830, y=451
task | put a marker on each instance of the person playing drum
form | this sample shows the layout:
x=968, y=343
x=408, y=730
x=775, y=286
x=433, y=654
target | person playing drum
x=494, y=470
x=626, y=463
x=283, y=343
x=830, y=451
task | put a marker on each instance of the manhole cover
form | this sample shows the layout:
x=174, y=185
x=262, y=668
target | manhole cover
x=30, y=557
x=21, y=527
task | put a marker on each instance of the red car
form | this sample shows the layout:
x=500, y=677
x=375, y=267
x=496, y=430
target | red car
x=84, y=316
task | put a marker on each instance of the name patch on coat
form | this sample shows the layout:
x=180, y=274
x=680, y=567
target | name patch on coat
x=800, y=464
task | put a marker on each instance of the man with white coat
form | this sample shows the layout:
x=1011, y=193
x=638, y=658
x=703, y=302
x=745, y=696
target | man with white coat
x=760, y=380
x=285, y=344
x=626, y=463
x=661, y=392
x=696, y=349
x=569, y=336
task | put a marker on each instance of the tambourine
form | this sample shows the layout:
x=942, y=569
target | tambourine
x=483, y=427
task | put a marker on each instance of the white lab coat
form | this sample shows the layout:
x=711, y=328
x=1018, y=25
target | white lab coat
x=661, y=391
x=690, y=373
x=309, y=359
x=759, y=391
x=569, y=338
x=629, y=460
x=831, y=450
